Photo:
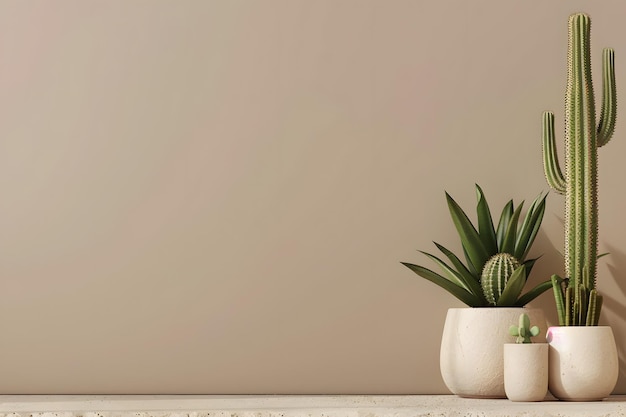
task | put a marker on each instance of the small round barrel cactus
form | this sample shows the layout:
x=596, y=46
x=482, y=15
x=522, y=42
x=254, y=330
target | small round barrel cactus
x=496, y=273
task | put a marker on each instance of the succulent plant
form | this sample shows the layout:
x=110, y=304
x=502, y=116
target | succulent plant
x=482, y=243
x=577, y=300
x=496, y=274
x=523, y=331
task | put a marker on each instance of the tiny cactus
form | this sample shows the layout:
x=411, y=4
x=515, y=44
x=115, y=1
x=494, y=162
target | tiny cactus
x=495, y=275
x=523, y=331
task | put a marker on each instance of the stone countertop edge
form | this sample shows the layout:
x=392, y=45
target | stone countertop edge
x=296, y=406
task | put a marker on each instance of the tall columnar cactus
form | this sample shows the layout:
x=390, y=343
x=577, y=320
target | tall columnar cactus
x=577, y=300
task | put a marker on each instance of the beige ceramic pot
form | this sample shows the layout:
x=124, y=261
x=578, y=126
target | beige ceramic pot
x=526, y=371
x=583, y=362
x=471, y=355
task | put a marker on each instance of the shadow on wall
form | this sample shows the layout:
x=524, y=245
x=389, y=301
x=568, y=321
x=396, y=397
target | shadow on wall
x=615, y=309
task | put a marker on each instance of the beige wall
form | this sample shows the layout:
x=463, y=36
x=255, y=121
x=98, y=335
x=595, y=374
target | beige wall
x=214, y=196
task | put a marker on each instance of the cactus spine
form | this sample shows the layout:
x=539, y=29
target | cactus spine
x=495, y=275
x=578, y=303
x=523, y=331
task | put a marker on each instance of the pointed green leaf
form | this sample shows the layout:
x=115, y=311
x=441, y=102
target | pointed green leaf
x=525, y=230
x=458, y=264
x=470, y=265
x=449, y=286
x=529, y=265
x=505, y=217
x=510, y=233
x=450, y=273
x=513, y=288
x=485, y=223
x=470, y=238
x=530, y=228
x=533, y=293
x=471, y=281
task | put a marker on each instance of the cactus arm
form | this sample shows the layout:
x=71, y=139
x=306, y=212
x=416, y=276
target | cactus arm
x=518, y=332
x=592, y=313
x=551, y=167
x=558, y=298
x=608, y=111
x=534, y=331
x=599, y=299
x=582, y=302
x=523, y=331
x=595, y=306
x=568, y=307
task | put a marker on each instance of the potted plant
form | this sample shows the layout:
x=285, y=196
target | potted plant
x=491, y=281
x=525, y=364
x=583, y=355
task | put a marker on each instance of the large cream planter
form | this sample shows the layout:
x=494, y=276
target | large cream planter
x=583, y=362
x=471, y=355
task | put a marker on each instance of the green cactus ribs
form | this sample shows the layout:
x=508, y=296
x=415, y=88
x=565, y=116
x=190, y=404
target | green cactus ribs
x=576, y=299
x=496, y=275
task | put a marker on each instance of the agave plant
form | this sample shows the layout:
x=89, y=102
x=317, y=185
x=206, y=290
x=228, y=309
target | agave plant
x=496, y=268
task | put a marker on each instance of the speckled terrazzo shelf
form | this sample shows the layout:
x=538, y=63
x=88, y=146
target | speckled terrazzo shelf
x=294, y=406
